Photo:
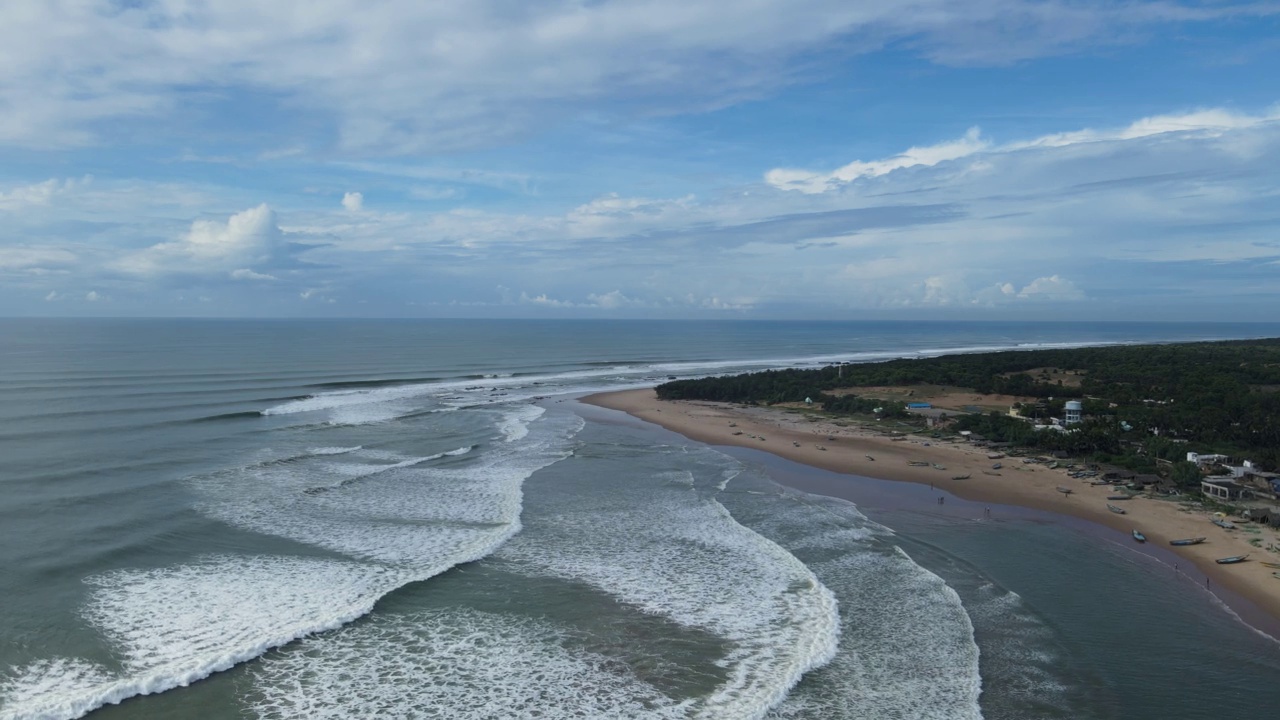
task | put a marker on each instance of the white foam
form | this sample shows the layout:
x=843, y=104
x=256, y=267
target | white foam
x=515, y=424
x=55, y=688
x=334, y=450
x=461, y=664
x=385, y=403
x=426, y=519
x=402, y=522
x=173, y=626
x=676, y=554
x=907, y=648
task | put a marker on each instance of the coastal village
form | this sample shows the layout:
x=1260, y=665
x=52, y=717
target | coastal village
x=1228, y=531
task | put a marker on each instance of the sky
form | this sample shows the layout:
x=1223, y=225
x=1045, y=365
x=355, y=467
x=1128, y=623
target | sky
x=771, y=159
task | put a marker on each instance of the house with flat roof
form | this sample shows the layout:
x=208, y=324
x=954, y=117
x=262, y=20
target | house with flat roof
x=1221, y=489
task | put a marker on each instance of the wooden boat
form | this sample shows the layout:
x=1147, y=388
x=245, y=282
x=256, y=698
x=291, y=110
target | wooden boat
x=1064, y=490
x=988, y=472
x=1119, y=497
x=1232, y=560
x=960, y=477
x=1187, y=541
x=1224, y=524
x=871, y=458
x=1271, y=564
x=936, y=466
x=994, y=456
x=1115, y=509
x=1139, y=536
x=996, y=466
x=917, y=463
x=1276, y=575
x=1104, y=482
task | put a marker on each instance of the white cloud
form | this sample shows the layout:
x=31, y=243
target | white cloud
x=406, y=75
x=811, y=182
x=37, y=194
x=52, y=296
x=613, y=300
x=251, y=237
x=20, y=257
x=1209, y=123
x=353, y=201
x=1051, y=288
x=542, y=299
x=1212, y=122
x=93, y=296
x=247, y=274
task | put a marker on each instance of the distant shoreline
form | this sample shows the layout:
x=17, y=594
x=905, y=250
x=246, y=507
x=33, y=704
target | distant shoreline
x=859, y=450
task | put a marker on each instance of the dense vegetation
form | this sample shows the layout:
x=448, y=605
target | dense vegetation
x=1221, y=396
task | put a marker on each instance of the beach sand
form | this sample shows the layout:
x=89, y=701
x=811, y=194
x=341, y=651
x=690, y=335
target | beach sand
x=860, y=450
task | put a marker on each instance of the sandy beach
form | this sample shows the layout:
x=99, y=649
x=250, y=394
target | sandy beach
x=867, y=451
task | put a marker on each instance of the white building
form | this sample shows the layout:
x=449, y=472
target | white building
x=1074, y=409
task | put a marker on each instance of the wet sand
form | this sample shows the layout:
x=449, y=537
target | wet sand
x=859, y=450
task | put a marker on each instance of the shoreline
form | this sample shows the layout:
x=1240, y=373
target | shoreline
x=859, y=451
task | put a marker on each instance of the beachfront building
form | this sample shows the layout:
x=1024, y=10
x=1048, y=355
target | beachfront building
x=1226, y=490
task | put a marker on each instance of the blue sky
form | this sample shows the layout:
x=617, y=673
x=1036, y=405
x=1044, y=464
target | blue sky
x=819, y=159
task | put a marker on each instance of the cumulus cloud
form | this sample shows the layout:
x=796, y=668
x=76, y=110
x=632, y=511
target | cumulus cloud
x=1051, y=288
x=353, y=201
x=93, y=296
x=247, y=238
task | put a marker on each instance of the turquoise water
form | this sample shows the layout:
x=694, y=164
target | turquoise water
x=355, y=518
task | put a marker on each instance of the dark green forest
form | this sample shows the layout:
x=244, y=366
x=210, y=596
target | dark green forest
x=1218, y=396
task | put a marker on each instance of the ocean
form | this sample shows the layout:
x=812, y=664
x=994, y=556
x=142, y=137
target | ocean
x=337, y=519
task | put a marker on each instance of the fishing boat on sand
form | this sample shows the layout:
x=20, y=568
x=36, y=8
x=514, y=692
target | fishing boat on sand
x=1119, y=497
x=1187, y=541
x=1115, y=509
x=960, y=477
x=1232, y=560
x=871, y=458
x=996, y=466
x=1064, y=490
x=1224, y=524
x=1139, y=536
x=1271, y=564
x=988, y=472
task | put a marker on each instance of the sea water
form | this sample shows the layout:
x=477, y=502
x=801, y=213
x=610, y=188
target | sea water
x=309, y=519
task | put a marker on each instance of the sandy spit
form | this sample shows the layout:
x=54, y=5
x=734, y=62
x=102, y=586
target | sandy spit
x=865, y=450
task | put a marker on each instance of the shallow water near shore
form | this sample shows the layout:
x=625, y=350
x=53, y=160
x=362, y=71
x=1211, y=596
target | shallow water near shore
x=338, y=519
x=1072, y=619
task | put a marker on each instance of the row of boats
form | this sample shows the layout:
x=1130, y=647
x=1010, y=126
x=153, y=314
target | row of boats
x=1137, y=535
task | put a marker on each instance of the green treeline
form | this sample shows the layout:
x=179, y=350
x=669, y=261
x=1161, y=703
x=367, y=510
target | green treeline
x=1223, y=396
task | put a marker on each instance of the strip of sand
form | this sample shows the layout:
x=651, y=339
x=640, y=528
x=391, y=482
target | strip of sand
x=865, y=451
